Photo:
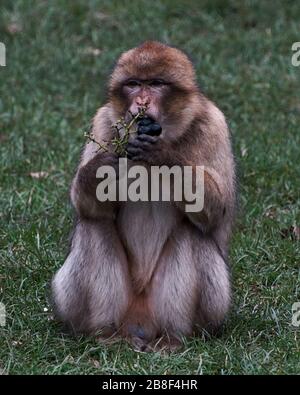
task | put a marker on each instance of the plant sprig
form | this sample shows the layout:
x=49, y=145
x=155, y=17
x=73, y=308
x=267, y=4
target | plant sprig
x=119, y=142
x=90, y=137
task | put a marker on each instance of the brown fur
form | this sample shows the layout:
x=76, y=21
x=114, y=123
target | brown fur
x=149, y=269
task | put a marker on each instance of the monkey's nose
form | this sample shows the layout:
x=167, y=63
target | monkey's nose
x=142, y=101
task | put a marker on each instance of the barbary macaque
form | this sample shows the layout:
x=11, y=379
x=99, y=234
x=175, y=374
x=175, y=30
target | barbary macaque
x=150, y=271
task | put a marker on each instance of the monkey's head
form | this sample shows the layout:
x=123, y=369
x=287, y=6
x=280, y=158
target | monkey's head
x=155, y=76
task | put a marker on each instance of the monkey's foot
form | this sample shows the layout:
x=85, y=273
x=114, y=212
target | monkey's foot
x=108, y=335
x=138, y=326
x=139, y=334
x=164, y=345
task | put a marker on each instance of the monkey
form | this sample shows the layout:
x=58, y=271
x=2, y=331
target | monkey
x=149, y=271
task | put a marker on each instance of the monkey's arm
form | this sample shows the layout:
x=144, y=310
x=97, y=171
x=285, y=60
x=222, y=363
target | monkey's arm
x=83, y=190
x=213, y=152
x=215, y=158
x=215, y=203
x=84, y=185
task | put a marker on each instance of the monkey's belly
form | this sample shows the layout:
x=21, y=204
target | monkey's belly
x=144, y=228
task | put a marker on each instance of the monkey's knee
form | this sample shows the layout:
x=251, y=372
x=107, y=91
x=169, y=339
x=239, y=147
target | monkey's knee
x=81, y=308
x=69, y=302
x=91, y=290
x=214, y=295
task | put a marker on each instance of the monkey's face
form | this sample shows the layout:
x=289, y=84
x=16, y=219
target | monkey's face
x=147, y=94
x=155, y=76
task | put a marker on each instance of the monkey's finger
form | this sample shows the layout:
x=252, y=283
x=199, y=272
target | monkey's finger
x=145, y=121
x=108, y=158
x=114, y=160
x=147, y=138
x=135, y=157
x=143, y=145
x=155, y=128
x=134, y=151
x=144, y=129
x=133, y=143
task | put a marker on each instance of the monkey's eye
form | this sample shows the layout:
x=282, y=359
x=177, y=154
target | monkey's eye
x=157, y=83
x=132, y=83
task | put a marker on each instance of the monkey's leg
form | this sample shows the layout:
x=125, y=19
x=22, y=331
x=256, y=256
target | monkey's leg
x=91, y=290
x=191, y=286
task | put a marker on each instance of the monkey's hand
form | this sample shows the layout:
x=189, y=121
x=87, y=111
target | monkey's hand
x=145, y=148
x=86, y=176
x=83, y=191
x=107, y=159
x=148, y=126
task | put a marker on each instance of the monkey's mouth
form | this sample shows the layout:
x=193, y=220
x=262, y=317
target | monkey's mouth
x=144, y=113
x=149, y=114
x=129, y=116
x=145, y=124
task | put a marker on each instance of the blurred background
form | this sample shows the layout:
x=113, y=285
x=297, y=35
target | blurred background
x=59, y=55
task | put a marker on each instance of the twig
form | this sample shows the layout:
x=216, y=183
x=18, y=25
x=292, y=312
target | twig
x=91, y=138
x=119, y=143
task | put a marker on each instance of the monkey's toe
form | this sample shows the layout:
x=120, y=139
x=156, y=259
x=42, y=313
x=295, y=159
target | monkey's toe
x=164, y=345
x=138, y=337
x=138, y=344
x=108, y=335
x=146, y=138
x=137, y=331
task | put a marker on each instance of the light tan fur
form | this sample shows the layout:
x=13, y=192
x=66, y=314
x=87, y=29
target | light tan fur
x=147, y=269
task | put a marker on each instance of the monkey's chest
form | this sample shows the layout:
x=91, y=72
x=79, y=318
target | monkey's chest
x=144, y=228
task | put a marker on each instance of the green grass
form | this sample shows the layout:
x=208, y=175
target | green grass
x=50, y=89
